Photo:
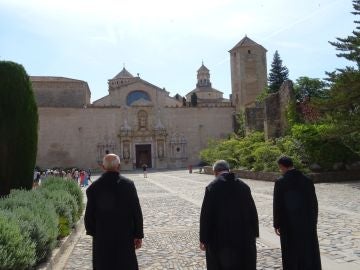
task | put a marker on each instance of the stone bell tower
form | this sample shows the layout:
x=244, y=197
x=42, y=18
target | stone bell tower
x=203, y=76
x=248, y=72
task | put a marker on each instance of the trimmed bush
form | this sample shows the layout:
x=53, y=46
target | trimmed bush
x=66, y=208
x=18, y=128
x=33, y=225
x=36, y=219
x=17, y=251
x=42, y=210
x=56, y=183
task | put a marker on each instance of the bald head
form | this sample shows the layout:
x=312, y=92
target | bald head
x=111, y=162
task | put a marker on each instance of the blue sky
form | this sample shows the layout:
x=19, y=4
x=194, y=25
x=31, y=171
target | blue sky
x=166, y=40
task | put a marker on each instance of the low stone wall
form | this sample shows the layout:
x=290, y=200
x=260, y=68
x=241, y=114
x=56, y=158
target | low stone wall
x=340, y=176
x=324, y=177
x=264, y=176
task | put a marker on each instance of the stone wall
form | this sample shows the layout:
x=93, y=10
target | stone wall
x=60, y=92
x=270, y=116
x=324, y=177
x=72, y=136
x=254, y=119
x=275, y=110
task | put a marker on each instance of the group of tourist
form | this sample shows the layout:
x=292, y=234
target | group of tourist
x=82, y=177
x=229, y=223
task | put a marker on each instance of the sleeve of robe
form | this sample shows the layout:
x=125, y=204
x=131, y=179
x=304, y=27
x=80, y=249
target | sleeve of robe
x=205, y=218
x=276, y=206
x=138, y=217
x=89, y=218
x=253, y=215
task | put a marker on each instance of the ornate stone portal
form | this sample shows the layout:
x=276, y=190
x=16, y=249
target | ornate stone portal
x=142, y=144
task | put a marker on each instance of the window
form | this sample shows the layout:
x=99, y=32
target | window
x=249, y=52
x=136, y=95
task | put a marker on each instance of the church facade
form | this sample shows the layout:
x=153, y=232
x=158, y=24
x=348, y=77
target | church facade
x=139, y=121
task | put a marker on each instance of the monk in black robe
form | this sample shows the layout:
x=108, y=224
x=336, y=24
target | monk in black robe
x=113, y=218
x=295, y=218
x=228, y=223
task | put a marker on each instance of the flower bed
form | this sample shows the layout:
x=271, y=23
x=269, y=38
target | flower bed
x=31, y=222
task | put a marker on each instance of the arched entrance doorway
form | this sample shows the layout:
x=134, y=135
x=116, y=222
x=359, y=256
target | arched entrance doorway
x=143, y=155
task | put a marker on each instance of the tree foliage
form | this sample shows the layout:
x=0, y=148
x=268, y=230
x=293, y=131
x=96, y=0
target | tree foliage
x=240, y=124
x=18, y=128
x=307, y=88
x=341, y=105
x=251, y=152
x=349, y=47
x=278, y=73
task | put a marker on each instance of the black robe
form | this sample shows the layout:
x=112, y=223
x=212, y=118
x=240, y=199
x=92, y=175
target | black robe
x=113, y=217
x=229, y=225
x=295, y=214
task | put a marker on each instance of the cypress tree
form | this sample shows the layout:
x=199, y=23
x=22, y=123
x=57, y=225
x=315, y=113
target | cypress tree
x=18, y=128
x=278, y=73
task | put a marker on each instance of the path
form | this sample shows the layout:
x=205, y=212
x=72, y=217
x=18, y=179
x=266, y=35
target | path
x=171, y=204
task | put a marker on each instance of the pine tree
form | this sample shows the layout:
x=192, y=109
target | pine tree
x=342, y=103
x=18, y=128
x=278, y=73
x=349, y=47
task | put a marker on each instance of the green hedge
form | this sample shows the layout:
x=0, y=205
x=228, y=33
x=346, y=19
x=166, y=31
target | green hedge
x=252, y=152
x=36, y=219
x=17, y=251
x=55, y=183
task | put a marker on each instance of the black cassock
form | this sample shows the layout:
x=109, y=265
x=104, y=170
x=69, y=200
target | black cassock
x=113, y=218
x=296, y=213
x=229, y=225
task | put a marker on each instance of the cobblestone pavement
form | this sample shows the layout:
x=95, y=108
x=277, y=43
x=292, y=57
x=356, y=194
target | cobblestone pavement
x=171, y=202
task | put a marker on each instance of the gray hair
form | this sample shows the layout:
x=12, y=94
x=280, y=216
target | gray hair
x=111, y=162
x=221, y=165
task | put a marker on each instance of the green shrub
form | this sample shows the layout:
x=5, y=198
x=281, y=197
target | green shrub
x=320, y=148
x=17, y=251
x=65, y=206
x=40, y=217
x=32, y=224
x=294, y=149
x=56, y=183
x=266, y=156
x=254, y=153
x=64, y=227
x=43, y=212
x=246, y=147
x=237, y=151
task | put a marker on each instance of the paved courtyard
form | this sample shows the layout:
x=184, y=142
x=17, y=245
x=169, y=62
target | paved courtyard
x=171, y=202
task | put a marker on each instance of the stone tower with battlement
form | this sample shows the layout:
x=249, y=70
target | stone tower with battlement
x=248, y=72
